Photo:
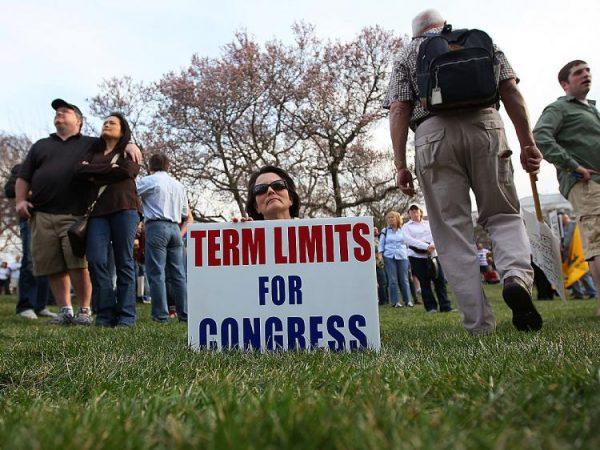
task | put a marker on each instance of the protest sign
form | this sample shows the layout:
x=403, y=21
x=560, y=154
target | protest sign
x=545, y=249
x=555, y=224
x=283, y=285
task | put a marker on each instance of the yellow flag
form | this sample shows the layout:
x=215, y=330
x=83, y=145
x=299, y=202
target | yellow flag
x=575, y=266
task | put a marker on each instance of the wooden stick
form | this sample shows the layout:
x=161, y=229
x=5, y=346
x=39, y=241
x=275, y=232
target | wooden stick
x=536, y=197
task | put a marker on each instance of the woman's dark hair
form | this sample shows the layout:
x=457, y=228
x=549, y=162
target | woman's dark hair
x=123, y=140
x=291, y=187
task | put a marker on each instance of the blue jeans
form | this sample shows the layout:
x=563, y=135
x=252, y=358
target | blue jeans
x=110, y=266
x=585, y=285
x=397, y=275
x=113, y=308
x=382, y=285
x=34, y=291
x=164, y=259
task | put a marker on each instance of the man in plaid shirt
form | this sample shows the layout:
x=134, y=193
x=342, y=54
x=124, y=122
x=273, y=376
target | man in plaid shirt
x=460, y=150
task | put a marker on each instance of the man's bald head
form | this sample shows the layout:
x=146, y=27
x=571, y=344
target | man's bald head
x=430, y=18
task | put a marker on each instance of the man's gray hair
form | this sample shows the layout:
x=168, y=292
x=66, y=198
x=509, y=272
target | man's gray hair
x=425, y=20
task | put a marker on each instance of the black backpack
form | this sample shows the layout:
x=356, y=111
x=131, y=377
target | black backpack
x=457, y=69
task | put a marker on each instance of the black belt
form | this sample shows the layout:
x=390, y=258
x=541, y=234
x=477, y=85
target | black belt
x=160, y=220
x=483, y=110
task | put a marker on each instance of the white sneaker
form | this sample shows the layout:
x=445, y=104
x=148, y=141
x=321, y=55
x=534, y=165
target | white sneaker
x=46, y=313
x=83, y=317
x=64, y=317
x=411, y=304
x=28, y=314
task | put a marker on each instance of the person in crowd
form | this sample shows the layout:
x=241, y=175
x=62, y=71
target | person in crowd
x=165, y=207
x=458, y=150
x=33, y=292
x=415, y=286
x=490, y=276
x=490, y=260
x=113, y=222
x=382, y=283
x=568, y=132
x=183, y=230
x=15, y=273
x=395, y=257
x=482, y=257
x=4, y=278
x=544, y=288
x=585, y=285
x=142, y=287
x=271, y=195
x=424, y=262
x=58, y=200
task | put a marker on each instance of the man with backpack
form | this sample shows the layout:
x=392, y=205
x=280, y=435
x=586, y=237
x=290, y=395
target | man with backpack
x=446, y=86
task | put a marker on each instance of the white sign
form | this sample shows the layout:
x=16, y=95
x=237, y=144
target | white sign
x=283, y=285
x=545, y=249
x=555, y=224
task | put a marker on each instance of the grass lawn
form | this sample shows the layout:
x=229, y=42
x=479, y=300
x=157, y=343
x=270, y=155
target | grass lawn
x=432, y=386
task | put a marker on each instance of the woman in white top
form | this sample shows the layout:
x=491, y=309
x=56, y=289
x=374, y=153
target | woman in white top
x=422, y=255
x=395, y=257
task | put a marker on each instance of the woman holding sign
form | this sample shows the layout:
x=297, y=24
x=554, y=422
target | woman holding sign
x=271, y=195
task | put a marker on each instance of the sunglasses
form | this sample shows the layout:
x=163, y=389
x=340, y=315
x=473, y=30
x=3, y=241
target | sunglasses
x=277, y=185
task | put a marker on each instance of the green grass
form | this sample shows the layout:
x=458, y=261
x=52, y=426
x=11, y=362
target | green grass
x=432, y=386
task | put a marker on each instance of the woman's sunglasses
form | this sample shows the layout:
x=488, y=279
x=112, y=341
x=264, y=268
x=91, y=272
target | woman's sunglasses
x=277, y=185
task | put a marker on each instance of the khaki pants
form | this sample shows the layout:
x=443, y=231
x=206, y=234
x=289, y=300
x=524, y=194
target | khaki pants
x=454, y=153
x=51, y=252
x=585, y=198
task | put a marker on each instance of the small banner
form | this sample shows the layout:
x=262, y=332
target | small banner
x=575, y=266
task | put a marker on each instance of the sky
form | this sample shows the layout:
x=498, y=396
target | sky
x=65, y=48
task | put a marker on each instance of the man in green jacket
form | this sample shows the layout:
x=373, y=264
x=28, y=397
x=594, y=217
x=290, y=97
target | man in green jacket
x=568, y=134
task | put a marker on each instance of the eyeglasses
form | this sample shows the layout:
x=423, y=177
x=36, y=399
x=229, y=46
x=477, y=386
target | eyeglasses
x=277, y=185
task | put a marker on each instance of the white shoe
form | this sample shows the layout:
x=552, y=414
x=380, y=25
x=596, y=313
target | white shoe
x=83, y=317
x=64, y=317
x=46, y=313
x=28, y=314
x=411, y=304
x=398, y=305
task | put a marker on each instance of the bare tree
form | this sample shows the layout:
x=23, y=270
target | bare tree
x=337, y=111
x=224, y=117
x=134, y=100
x=13, y=149
x=309, y=106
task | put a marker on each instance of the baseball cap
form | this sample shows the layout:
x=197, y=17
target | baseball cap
x=60, y=103
x=415, y=206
